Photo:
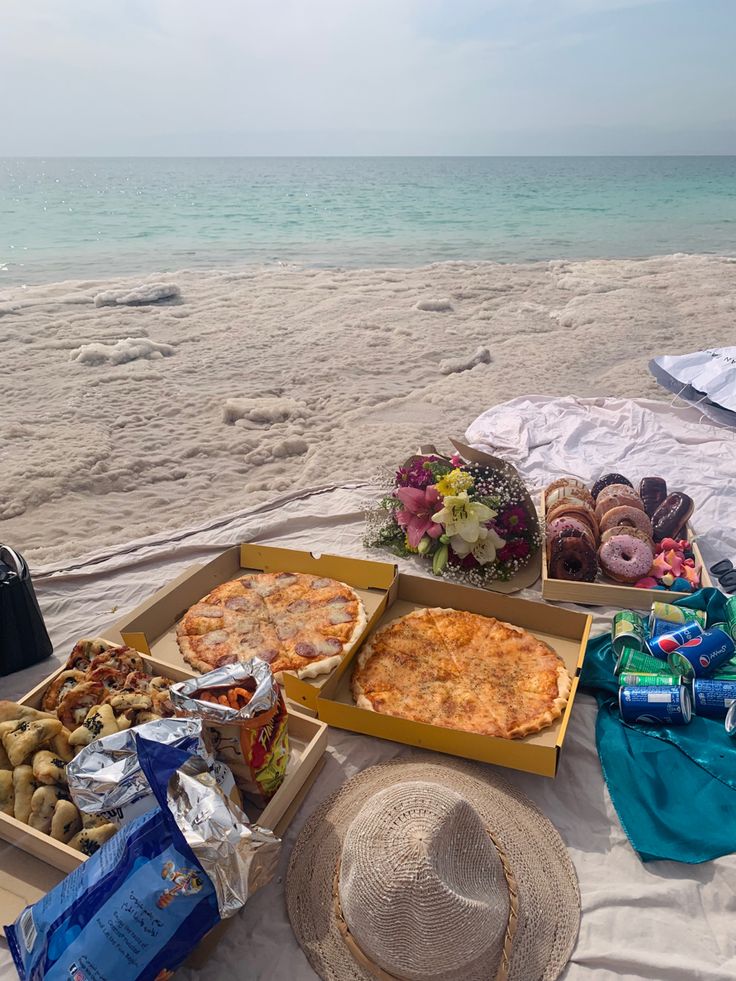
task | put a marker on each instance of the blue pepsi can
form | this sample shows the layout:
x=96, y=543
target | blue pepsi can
x=703, y=654
x=668, y=705
x=713, y=698
x=663, y=645
x=659, y=627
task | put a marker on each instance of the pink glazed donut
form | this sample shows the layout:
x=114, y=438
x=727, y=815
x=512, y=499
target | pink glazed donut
x=625, y=558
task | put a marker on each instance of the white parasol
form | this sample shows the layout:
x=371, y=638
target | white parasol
x=706, y=379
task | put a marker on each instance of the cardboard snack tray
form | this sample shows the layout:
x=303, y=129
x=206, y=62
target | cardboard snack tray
x=606, y=592
x=307, y=739
x=151, y=627
x=564, y=630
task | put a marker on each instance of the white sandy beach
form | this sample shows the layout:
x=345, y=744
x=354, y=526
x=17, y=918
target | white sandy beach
x=122, y=419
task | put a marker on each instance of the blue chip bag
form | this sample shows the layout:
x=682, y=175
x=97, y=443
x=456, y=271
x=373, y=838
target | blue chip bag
x=137, y=907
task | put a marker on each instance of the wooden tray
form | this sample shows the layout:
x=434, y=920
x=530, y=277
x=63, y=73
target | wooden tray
x=307, y=739
x=606, y=592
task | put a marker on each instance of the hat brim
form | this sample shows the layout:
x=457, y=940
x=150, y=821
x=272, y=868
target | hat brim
x=549, y=898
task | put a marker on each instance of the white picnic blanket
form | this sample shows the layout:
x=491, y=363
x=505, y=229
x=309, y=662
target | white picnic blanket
x=661, y=922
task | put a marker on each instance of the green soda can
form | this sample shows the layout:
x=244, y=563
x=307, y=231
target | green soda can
x=628, y=630
x=636, y=662
x=648, y=680
x=731, y=617
x=676, y=614
x=727, y=671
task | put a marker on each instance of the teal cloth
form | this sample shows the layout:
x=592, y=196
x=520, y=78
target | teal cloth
x=673, y=787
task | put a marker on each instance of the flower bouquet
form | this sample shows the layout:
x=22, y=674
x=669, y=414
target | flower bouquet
x=472, y=519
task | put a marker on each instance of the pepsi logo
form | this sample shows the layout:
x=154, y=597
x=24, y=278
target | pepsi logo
x=703, y=661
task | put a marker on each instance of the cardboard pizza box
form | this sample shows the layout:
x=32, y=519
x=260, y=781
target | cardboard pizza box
x=606, y=592
x=151, y=627
x=307, y=741
x=564, y=630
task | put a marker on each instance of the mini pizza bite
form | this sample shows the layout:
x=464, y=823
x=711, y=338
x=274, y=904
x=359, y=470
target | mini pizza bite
x=463, y=671
x=294, y=621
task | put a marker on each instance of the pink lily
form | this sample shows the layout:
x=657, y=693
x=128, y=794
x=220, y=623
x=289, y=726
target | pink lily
x=416, y=515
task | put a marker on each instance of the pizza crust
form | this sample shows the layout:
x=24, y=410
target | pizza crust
x=423, y=617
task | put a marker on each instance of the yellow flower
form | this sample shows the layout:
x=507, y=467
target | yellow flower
x=463, y=517
x=454, y=482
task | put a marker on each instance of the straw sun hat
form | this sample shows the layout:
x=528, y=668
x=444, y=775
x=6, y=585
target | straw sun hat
x=432, y=870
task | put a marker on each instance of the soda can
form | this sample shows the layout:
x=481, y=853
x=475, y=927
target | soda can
x=631, y=660
x=648, y=680
x=659, y=627
x=666, y=705
x=703, y=654
x=665, y=644
x=628, y=630
x=731, y=721
x=713, y=698
x=675, y=614
x=731, y=617
x=726, y=672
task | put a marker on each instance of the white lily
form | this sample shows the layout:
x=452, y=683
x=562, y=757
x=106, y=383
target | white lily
x=483, y=551
x=463, y=517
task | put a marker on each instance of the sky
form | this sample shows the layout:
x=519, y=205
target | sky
x=293, y=77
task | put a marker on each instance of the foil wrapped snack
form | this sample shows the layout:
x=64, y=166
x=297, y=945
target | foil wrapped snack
x=245, y=716
x=136, y=908
x=106, y=777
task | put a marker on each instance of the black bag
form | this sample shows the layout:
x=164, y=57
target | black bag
x=23, y=637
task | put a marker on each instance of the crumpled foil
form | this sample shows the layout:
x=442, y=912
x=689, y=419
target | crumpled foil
x=238, y=857
x=228, y=676
x=106, y=775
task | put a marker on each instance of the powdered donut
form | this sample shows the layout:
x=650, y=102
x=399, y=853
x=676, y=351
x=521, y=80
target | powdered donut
x=573, y=558
x=617, y=496
x=625, y=558
x=554, y=494
x=606, y=480
x=626, y=530
x=556, y=527
x=631, y=517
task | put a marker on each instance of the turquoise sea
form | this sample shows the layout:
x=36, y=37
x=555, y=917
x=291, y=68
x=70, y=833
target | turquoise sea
x=82, y=217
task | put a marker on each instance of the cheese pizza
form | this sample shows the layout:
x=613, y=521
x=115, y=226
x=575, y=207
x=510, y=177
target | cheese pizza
x=295, y=622
x=464, y=671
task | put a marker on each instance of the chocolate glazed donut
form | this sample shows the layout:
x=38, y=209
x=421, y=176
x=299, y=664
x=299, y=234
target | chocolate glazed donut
x=573, y=558
x=671, y=516
x=652, y=491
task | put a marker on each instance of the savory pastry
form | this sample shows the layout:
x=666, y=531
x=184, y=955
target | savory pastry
x=7, y=793
x=130, y=701
x=90, y=840
x=633, y=517
x=671, y=517
x=66, y=821
x=13, y=712
x=48, y=769
x=84, y=651
x=61, y=747
x=295, y=622
x=464, y=671
x=28, y=736
x=75, y=705
x=5, y=763
x=43, y=803
x=573, y=558
x=122, y=658
x=625, y=558
x=111, y=678
x=606, y=480
x=652, y=491
x=99, y=722
x=24, y=787
x=616, y=496
x=59, y=687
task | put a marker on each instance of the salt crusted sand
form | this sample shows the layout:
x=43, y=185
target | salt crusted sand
x=135, y=406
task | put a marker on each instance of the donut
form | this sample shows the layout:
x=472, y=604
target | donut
x=565, y=482
x=573, y=558
x=606, y=480
x=633, y=517
x=625, y=558
x=652, y=491
x=671, y=516
x=553, y=495
x=574, y=508
x=627, y=530
x=566, y=522
x=617, y=496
